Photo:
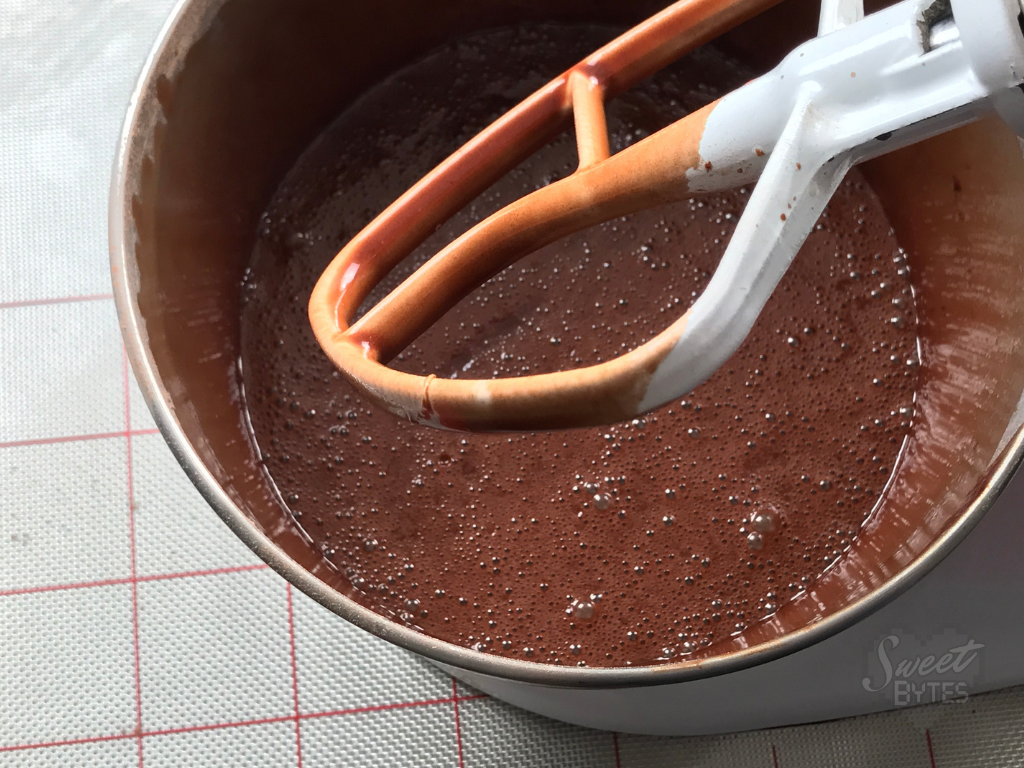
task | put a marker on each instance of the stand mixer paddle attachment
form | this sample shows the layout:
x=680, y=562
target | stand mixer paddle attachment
x=864, y=87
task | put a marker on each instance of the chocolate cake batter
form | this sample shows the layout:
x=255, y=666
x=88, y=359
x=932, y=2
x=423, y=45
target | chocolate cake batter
x=631, y=544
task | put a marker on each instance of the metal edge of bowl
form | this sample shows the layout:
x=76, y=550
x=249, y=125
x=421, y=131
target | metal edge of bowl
x=192, y=16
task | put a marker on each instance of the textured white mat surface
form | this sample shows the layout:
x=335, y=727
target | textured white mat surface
x=134, y=629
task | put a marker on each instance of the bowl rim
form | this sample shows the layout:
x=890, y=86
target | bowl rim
x=192, y=16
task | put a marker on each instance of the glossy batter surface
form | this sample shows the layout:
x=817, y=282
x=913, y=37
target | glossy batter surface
x=630, y=544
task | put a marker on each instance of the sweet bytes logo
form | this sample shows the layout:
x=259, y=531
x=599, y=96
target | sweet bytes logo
x=909, y=671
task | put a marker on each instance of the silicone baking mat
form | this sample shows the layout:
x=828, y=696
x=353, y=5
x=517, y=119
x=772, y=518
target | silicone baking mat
x=134, y=629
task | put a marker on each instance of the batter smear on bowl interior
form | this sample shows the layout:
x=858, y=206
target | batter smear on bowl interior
x=637, y=543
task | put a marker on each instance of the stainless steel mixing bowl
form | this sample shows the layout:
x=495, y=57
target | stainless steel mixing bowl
x=234, y=90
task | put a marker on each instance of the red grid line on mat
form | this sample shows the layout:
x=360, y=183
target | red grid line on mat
x=458, y=727
x=218, y=726
x=210, y=572
x=78, y=438
x=138, y=579
x=295, y=676
x=615, y=743
x=238, y=723
x=386, y=707
x=67, y=742
x=55, y=300
x=131, y=547
x=775, y=757
x=928, y=741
